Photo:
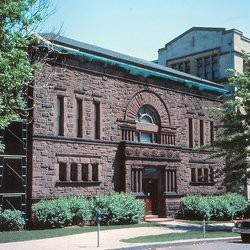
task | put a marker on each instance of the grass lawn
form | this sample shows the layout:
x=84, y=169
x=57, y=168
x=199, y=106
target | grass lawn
x=13, y=236
x=179, y=236
x=50, y=233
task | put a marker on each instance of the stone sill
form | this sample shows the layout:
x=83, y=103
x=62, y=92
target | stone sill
x=78, y=183
x=202, y=183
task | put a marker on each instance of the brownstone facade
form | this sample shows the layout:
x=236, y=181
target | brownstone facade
x=117, y=124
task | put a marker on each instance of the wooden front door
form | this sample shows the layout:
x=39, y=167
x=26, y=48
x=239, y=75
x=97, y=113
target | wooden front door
x=151, y=192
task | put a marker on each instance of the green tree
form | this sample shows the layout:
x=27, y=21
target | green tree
x=234, y=141
x=17, y=19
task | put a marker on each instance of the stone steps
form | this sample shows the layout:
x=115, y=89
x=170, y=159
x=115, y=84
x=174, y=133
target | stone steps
x=156, y=218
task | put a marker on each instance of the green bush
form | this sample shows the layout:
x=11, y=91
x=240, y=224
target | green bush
x=11, y=220
x=80, y=209
x=221, y=207
x=118, y=208
x=52, y=213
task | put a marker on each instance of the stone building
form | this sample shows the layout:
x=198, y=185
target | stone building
x=103, y=122
x=206, y=52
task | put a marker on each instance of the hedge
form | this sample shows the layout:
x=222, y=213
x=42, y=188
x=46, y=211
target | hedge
x=220, y=207
x=119, y=208
x=11, y=220
x=116, y=208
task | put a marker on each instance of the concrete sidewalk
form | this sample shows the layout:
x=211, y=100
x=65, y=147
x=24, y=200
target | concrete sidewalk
x=109, y=239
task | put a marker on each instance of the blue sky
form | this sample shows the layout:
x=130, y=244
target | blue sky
x=140, y=27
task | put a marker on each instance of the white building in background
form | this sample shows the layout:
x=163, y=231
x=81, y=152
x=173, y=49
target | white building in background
x=206, y=52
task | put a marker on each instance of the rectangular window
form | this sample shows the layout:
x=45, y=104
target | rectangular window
x=136, y=180
x=215, y=67
x=73, y=172
x=201, y=132
x=95, y=175
x=211, y=174
x=60, y=115
x=190, y=129
x=85, y=172
x=211, y=132
x=171, y=180
x=62, y=171
x=96, y=120
x=187, y=67
x=207, y=67
x=202, y=175
x=79, y=121
x=193, y=175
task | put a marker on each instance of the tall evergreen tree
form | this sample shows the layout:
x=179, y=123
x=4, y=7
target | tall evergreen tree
x=234, y=141
x=17, y=19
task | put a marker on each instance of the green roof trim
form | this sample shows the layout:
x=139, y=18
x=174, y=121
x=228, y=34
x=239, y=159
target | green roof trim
x=136, y=71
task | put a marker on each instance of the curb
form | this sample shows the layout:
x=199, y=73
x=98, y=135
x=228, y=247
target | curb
x=176, y=243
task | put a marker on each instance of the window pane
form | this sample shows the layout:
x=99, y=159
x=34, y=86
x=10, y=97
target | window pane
x=95, y=176
x=79, y=118
x=73, y=172
x=145, y=137
x=85, y=172
x=60, y=115
x=200, y=177
x=206, y=175
x=62, y=172
x=193, y=175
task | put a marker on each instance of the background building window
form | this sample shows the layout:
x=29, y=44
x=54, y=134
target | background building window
x=62, y=171
x=60, y=115
x=207, y=67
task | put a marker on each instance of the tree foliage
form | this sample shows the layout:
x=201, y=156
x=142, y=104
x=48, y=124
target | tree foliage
x=234, y=141
x=17, y=19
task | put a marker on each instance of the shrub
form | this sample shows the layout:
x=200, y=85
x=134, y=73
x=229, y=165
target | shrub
x=80, y=209
x=11, y=220
x=118, y=208
x=52, y=213
x=222, y=207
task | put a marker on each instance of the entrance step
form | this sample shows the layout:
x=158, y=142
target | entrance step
x=155, y=218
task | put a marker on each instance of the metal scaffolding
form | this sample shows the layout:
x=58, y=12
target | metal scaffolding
x=13, y=167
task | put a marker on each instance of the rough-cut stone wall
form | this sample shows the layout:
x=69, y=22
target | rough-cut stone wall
x=115, y=96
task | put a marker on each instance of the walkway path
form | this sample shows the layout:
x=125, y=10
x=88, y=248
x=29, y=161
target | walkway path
x=109, y=239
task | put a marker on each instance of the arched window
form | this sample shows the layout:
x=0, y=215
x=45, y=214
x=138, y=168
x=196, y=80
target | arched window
x=147, y=125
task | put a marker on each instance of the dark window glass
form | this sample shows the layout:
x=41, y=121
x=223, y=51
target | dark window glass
x=200, y=176
x=211, y=132
x=171, y=181
x=206, y=175
x=190, y=128
x=193, y=174
x=79, y=122
x=95, y=176
x=73, y=172
x=201, y=132
x=60, y=115
x=85, y=172
x=211, y=174
x=62, y=172
x=97, y=120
